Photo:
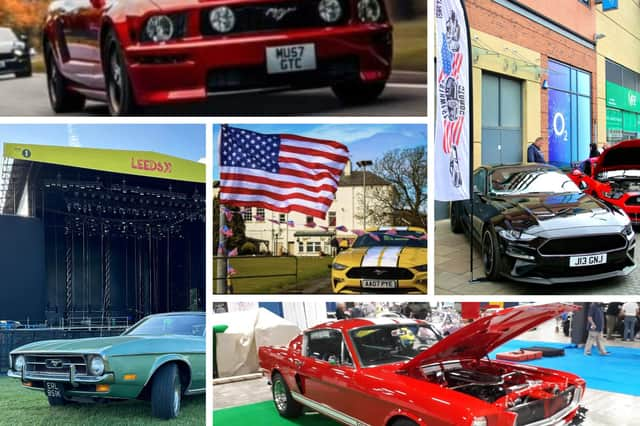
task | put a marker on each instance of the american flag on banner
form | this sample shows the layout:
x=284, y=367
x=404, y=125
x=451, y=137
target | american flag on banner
x=282, y=173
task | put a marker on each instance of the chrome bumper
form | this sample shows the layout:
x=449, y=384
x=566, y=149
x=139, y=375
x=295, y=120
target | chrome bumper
x=70, y=378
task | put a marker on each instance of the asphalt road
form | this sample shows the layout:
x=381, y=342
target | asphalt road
x=405, y=95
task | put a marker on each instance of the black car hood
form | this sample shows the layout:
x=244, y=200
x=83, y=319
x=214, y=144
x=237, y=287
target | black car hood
x=545, y=212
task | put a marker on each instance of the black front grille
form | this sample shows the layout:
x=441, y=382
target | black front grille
x=583, y=245
x=541, y=409
x=53, y=364
x=6, y=56
x=633, y=201
x=242, y=78
x=275, y=16
x=380, y=273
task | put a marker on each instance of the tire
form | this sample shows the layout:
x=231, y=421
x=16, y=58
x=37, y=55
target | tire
x=491, y=257
x=61, y=99
x=455, y=219
x=358, y=93
x=404, y=422
x=282, y=399
x=120, y=97
x=166, y=392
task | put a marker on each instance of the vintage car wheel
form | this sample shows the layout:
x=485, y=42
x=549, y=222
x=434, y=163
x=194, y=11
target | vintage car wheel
x=285, y=404
x=60, y=98
x=491, y=258
x=358, y=93
x=455, y=220
x=166, y=392
x=120, y=97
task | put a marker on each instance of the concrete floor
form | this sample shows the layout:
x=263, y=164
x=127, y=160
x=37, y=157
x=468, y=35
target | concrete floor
x=605, y=408
x=452, y=273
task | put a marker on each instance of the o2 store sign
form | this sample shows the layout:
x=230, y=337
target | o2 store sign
x=559, y=127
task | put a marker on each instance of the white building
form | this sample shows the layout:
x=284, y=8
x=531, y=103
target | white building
x=300, y=240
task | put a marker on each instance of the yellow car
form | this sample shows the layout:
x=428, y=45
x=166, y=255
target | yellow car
x=384, y=260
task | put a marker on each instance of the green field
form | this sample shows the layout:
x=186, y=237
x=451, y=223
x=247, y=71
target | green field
x=309, y=268
x=19, y=406
x=410, y=45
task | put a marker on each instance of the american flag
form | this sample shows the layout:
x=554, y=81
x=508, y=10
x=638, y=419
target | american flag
x=451, y=65
x=282, y=173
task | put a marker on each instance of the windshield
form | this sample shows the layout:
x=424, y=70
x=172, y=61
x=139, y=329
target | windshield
x=6, y=34
x=516, y=181
x=400, y=239
x=185, y=325
x=384, y=344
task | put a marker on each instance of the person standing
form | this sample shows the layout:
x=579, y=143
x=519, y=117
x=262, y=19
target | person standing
x=534, y=152
x=613, y=310
x=629, y=311
x=595, y=325
x=340, y=314
x=593, y=150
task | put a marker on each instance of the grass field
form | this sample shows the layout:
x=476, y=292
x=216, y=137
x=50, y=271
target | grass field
x=309, y=268
x=19, y=406
x=410, y=45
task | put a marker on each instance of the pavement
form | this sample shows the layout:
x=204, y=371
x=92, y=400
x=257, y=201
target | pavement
x=452, y=275
x=405, y=95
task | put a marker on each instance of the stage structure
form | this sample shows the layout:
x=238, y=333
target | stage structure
x=97, y=237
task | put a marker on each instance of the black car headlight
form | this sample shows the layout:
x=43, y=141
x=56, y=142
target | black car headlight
x=161, y=28
x=513, y=235
x=18, y=52
x=330, y=10
x=628, y=231
x=339, y=266
x=369, y=10
x=19, y=363
x=222, y=19
x=96, y=365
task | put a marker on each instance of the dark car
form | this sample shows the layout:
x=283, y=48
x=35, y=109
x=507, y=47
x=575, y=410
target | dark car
x=15, y=54
x=535, y=225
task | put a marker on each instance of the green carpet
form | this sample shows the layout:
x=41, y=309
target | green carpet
x=264, y=413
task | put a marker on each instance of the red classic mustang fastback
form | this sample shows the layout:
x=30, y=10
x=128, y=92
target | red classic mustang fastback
x=374, y=372
x=143, y=52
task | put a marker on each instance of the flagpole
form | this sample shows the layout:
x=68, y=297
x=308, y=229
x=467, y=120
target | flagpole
x=221, y=262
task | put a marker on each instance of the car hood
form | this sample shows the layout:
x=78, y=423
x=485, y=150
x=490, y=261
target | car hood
x=482, y=336
x=8, y=46
x=95, y=344
x=171, y=4
x=538, y=213
x=404, y=257
x=621, y=156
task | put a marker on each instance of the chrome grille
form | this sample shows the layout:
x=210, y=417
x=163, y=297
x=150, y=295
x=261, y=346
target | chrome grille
x=55, y=364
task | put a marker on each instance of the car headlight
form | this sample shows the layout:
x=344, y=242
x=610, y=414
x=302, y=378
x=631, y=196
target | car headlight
x=628, y=231
x=32, y=52
x=330, y=10
x=18, y=52
x=339, y=266
x=479, y=421
x=369, y=10
x=159, y=28
x=96, y=365
x=222, y=19
x=421, y=268
x=19, y=363
x=513, y=235
x=613, y=195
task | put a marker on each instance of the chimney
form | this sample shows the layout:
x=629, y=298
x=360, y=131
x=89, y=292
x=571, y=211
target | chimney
x=347, y=169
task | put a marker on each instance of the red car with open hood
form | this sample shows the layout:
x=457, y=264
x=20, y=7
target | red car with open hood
x=143, y=52
x=371, y=372
x=614, y=177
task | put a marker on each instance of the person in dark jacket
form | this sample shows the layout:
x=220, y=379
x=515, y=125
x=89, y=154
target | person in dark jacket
x=594, y=152
x=595, y=325
x=613, y=310
x=340, y=311
x=534, y=153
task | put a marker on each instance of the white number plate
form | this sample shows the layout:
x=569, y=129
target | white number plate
x=2, y=64
x=379, y=283
x=596, y=259
x=291, y=58
x=54, y=390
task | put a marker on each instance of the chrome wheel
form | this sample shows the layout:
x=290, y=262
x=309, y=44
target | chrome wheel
x=177, y=390
x=115, y=79
x=53, y=77
x=488, y=253
x=280, y=395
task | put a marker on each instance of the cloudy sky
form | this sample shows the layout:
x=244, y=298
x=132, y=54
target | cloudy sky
x=365, y=141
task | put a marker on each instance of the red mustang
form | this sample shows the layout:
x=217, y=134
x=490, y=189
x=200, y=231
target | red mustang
x=365, y=372
x=614, y=177
x=143, y=52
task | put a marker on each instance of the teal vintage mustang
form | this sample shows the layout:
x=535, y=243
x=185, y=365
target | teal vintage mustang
x=161, y=358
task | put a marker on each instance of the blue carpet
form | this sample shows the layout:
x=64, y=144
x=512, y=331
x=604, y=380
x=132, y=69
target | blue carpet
x=618, y=372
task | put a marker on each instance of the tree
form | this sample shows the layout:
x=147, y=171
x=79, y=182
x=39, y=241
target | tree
x=24, y=17
x=236, y=225
x=406, y=202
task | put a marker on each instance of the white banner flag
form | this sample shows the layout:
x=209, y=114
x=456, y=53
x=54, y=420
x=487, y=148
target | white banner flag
x=452, y=124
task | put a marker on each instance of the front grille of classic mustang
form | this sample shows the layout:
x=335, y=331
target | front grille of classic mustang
x=542, y=409
x=55, y=365
x=583, y=245
x=380, y=273
x=274, y=16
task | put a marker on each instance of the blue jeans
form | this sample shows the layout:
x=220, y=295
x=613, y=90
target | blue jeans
x=629, y=327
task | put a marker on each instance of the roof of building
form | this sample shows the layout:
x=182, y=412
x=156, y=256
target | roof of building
x=355, y=179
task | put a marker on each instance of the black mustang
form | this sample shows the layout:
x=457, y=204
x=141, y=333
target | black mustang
x=15, y=54
x=535, y=225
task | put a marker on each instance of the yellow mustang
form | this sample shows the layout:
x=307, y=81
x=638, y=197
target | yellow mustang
x=384, y=260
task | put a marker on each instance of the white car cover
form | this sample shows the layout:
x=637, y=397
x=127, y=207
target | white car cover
x=237, y=348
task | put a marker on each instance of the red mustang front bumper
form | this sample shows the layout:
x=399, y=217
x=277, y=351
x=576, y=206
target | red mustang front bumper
x=193, y=68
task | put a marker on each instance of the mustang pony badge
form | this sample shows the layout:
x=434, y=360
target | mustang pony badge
x=278, y=13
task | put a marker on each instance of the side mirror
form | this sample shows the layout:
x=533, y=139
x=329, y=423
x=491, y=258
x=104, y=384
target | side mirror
x=583, y=185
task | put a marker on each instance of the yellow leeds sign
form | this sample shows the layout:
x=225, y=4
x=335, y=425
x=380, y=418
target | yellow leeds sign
x=139, y=163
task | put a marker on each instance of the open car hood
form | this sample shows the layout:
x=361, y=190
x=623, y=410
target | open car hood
x=621, y=156
x=477, y=339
